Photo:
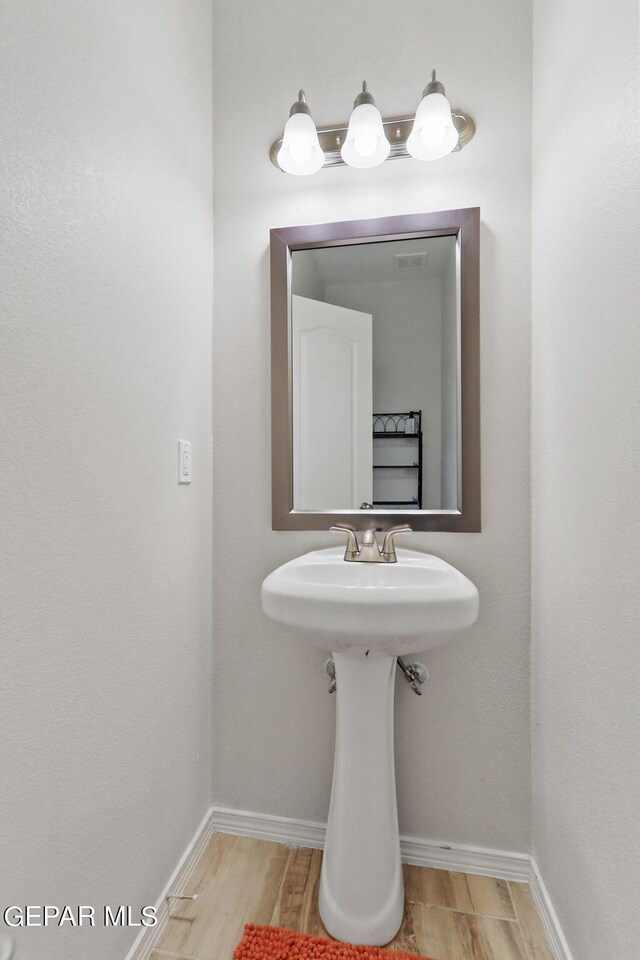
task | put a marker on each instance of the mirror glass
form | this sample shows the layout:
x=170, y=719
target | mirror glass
x=374, y=334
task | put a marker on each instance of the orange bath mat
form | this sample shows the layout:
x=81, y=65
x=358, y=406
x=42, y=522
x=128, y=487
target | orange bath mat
x=274, y=943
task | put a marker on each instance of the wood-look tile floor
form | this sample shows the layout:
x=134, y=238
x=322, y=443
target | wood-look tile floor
x=448, y=916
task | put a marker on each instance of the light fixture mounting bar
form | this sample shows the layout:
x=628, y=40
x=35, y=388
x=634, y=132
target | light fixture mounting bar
x=397, y=130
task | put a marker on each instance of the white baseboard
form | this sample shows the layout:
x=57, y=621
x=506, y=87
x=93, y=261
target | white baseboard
x=458, y=858
x=147, y=938
x=557, y=939
x=264, y=826
x=423, y=853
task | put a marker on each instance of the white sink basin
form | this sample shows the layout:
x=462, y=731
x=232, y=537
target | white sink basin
x=387, y=608
x=368, y=614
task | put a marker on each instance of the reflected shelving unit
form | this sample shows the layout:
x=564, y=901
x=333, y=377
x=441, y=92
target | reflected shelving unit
x=398, y=459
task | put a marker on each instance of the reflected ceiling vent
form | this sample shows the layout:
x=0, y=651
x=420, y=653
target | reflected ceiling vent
x=410, y=261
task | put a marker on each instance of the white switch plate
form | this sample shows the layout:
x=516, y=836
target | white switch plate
x=184, y=461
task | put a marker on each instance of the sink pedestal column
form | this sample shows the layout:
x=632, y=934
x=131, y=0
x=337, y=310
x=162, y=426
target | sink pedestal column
x=361, y=890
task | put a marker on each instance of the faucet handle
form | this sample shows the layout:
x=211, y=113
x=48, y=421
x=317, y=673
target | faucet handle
x=388, y=546
x=352, y=552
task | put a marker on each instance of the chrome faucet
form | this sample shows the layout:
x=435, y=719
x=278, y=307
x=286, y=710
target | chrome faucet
x=370, y=552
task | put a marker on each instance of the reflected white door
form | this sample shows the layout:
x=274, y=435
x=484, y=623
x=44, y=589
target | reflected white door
x=332, y=406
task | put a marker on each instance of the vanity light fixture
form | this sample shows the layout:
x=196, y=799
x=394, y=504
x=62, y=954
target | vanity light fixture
x=366, y=144
x=434, y=134
x=299, y=151
x=368, y=140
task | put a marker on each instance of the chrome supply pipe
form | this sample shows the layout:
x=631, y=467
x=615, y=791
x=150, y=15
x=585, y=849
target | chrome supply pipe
x=330, y=667
x=414, y=673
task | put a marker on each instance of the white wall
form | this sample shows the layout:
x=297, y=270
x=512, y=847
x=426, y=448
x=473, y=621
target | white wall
x=305, y=278
x=586, y=469
x=105, y=309
x=463, y=750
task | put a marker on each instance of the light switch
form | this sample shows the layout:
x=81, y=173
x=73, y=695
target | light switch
x=184, y=461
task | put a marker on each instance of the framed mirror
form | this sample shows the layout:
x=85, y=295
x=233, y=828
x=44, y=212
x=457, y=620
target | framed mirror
x=375, y=372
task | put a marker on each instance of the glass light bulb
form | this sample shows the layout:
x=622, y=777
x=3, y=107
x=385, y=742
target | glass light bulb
x=300, y=153
x=300, y=150
x=366, y=144
x=434, y=134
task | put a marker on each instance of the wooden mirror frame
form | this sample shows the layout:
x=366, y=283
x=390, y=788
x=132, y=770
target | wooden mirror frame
x=465, y=226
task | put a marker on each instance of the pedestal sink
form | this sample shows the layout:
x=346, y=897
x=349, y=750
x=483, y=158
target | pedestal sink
x=367, y=614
